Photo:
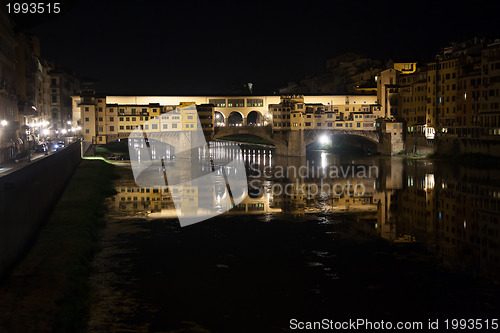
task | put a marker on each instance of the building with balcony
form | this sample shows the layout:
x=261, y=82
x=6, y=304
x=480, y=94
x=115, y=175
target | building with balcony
x=108, y=118
x=9, y=117
x=489, y=113
x=296, y=112
x=413, y=98
x=63, y=85
x=32, y=88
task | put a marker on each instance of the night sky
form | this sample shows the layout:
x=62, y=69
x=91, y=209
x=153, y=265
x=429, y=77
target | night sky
x=212, y=47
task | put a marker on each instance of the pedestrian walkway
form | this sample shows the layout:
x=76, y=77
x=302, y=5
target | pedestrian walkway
x=11, y=166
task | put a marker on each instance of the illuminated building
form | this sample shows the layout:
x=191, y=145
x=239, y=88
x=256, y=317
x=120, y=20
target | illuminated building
x=9, y=121
x=468, y=96
x=442, y=86
x=387, y=92
x=32, y=88
x=297, y=112
x=108, y=118
x=413, y=98
x=490, y=89
x=63, y=84
x=206, y=115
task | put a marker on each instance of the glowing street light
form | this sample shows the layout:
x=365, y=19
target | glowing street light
x=324, y=140
x=4, y=123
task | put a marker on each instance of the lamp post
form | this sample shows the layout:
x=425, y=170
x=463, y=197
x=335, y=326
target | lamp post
x=29, y=148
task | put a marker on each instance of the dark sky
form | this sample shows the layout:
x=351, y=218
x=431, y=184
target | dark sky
x=214, y=47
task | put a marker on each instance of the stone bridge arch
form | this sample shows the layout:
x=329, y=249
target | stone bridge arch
x=255, y=118
x=263, y=132
x=294, y=142
x=236, y=118
x=220, y=119
x=312, y=136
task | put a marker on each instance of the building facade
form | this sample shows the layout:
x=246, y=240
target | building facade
x=457, y=94
x=63, y=85
x=32, y=88
x=108, y=118
x=9, y=117
x=489, y=112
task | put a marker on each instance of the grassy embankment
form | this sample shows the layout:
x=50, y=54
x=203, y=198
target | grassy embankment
x=49, y=290
x=119, y=149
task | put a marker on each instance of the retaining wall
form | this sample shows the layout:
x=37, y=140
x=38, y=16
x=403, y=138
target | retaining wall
x=27, y=197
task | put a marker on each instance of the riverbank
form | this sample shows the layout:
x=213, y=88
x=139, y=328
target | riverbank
x=475, y=160
x=49, y=291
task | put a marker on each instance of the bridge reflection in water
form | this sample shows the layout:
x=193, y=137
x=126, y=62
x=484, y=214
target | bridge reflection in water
x=451, y=210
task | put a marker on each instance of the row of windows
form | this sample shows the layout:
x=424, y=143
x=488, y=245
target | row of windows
x=141, y=190
x=309, y=124
x=133, y=118
x=146, y=127
x=221, y=103
x=121, y=110
x=336, y=110
x=444, y=65
x=133, y=111
x=329, y=116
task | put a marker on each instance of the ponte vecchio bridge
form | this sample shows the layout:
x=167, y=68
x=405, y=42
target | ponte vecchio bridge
x=290, y=123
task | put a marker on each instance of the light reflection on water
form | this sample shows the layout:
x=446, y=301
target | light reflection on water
x=454, y=211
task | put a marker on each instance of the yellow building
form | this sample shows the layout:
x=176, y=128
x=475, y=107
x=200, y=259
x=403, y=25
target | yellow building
x=189, y=117
x=413, y=98
x=441, y=92
x=108, y=118
x=405, y=67
x=352, y=112
x=490, y=91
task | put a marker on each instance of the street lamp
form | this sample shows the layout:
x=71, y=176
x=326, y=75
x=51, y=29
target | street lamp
x=324, y=140
x=4, y=123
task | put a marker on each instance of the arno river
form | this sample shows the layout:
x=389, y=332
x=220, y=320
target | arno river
x=352, y=237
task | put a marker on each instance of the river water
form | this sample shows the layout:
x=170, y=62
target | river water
x=342, y=238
